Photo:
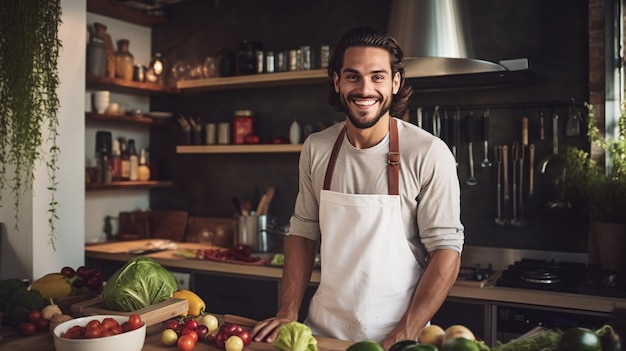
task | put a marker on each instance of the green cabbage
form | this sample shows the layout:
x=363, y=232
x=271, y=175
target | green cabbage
x=295, y=336
x=140, y=283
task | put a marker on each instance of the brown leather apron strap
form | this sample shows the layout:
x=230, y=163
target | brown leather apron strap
x=393, y=160
x=333, y=159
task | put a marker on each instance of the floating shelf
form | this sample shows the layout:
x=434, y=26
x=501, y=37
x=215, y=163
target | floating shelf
x=125, y=13
x=254, y=81
x=130, y=185
x=125, y=86
x=239, y=149
x=143, y=120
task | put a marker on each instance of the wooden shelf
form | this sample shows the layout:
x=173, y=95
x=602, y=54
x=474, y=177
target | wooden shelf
x=254, y=81
x=142, y=120
x=129, y=185
x=239, y=149
x=125, y=86
x=125, y=13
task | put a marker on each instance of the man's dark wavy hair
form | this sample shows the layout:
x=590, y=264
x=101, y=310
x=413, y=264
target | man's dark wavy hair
x=369, y=36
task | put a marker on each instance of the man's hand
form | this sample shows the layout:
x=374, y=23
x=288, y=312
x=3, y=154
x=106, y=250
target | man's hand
x=267, y=330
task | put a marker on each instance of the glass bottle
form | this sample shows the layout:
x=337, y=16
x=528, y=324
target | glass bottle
x=115, y=162
x=125, y=160
x=133, y=160
x=143, y=170
x=123, y=61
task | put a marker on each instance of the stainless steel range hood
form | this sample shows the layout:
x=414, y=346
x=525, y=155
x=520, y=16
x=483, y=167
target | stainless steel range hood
x=434, y=39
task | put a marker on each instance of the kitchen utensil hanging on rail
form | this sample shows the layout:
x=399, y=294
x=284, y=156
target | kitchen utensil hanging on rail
x=471, y=181
x=573, y=124
x=485, y=123
x=498, y=157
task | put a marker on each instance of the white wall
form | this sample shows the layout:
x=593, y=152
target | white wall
x=26, y=253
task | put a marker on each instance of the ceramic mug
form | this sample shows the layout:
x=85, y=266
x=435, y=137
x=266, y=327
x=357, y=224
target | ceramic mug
x=101, y=100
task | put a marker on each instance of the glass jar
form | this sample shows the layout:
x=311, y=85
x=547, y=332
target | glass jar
x=247, y=57
x=243, y=125
x=123, y=61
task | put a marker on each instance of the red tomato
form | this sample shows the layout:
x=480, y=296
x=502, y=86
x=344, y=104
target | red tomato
x=27, y=328
x=173, y=325
x=43, y=324
x=220, y=340
x=202, y=331
x=109, y=323
x=232, y=329
x=68, y=271
x=246, y=337
x=83, y=272
x=186, y=343
x=34, y=316
x=134, y=322
x=93, y=332
x=191, y=324
x=192, y=333
x=117, y=330
x=93, y=324
x=106, y=333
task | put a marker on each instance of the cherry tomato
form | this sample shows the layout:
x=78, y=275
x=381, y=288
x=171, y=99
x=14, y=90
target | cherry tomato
x=34, y=316
x=169, y=337
x=192, y=333
x=109, y=323
x=246, y=337
x=68, y=271
x=27, y=328
x=93, y=332
x=185, y=343
x=43, y=324
x=202, y=331
x=106, y=332
x=94, y=283
x=191, y=324
x=93, y=324
x=83, y=272
x=174, y=325
x=220, y=339
x=117, y=330
x=232, y=329
x=134, y=322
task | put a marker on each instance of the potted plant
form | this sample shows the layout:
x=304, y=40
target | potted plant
x=602, y=191
x=28, y=101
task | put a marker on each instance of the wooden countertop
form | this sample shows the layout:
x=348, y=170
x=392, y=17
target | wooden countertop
x=43, y=341
x=119, y=252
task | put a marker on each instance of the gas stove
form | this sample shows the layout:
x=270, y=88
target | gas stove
x=568, y=277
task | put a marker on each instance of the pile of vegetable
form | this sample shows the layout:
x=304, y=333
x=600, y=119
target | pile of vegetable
x=574, y=339
x=69, y=282
x=141, y=282
x=16, y=301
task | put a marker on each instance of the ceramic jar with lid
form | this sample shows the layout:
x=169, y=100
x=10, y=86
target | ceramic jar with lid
x=123, y=61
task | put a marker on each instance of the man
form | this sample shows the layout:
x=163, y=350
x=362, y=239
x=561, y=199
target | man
x=387, y=217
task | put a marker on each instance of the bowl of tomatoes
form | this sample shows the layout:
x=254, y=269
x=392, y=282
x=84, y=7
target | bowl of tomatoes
x=101, y=332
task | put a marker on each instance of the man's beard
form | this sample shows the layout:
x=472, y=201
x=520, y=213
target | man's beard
x=363, y=124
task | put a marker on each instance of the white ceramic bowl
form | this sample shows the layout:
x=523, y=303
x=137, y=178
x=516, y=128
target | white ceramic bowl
x=128, y=341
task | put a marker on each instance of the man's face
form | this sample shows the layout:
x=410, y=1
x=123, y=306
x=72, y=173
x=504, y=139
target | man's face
x=366, y=85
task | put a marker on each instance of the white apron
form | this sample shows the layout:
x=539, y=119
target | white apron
x=369, y=273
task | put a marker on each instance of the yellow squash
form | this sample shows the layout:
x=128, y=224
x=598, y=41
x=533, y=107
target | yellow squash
x=53, y=285
x=195, y=304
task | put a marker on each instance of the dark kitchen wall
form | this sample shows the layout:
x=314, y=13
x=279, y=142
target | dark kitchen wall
x=552, y=35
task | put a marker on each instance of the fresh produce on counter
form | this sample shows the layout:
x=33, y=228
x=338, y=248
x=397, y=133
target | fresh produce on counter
x=195, y=304
x=186, y=332
x=68, y=282
x=102, y=328
x=16, y=301
x=141, y=282
x=50, y=310
x=57, y=319
x=295, y=336
x=367, y=345
x=237, y=253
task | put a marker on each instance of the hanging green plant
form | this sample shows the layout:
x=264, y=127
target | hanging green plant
x=29, y=49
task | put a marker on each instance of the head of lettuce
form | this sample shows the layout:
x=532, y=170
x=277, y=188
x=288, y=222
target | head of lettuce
x=140, y=283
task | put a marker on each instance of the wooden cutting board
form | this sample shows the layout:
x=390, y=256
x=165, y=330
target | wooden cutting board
x=151, y=315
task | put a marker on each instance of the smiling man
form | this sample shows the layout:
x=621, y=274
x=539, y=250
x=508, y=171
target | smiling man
x=381, y=198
